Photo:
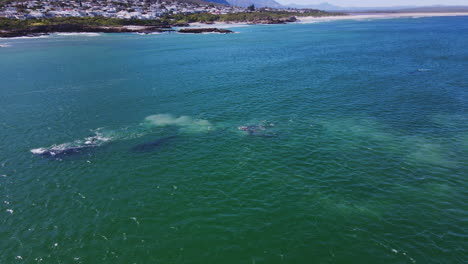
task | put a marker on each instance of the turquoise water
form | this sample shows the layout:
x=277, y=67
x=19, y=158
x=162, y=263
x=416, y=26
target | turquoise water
x=356, y=150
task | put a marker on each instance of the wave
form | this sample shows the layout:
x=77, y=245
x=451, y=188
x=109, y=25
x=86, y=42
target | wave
x=218, y=25
x=5, y=45
x=204, y=33
x=87, y=34
x=29, y=37
x=151, y=33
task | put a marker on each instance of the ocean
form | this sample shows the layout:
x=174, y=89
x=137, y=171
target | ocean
x=334, y=142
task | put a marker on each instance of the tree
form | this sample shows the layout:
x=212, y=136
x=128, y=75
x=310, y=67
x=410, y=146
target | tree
x=251, y=7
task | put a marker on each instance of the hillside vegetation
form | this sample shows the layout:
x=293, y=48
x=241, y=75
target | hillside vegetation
x=165, y=21
x=17, y=24
x=243, y=16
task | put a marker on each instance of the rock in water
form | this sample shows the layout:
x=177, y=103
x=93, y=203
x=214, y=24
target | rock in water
x=204, y=30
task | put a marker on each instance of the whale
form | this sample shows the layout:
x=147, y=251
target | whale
x=57, y=152
x=420, y=71
x=152, y=145
x=70, y=148
x=251, y=129
x=257, y=130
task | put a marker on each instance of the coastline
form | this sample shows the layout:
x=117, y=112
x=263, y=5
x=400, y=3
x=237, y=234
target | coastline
x=349, y=16
x=220, y=26
x=359, y=16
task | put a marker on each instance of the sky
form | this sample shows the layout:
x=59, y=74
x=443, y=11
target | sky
x=377, y=3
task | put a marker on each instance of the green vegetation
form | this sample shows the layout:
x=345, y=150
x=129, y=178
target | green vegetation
x=268, y=15
x=242, y=17
x=17, y=24
x=190, y=18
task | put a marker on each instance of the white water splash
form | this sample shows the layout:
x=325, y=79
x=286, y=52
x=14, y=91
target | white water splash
x=135, y=219
x=29, y=37
x=84, y=34
x=149, y=33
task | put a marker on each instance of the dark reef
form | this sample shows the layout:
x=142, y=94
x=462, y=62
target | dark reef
x=204, y=30
x=60, y=28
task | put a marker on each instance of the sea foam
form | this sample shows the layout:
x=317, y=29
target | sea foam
x=86, y=34
x=150, y=33
x=29, y=37
x=186, y=123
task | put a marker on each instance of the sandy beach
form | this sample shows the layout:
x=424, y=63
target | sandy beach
x=218, y=25
x=351, y=16
x=356, y=16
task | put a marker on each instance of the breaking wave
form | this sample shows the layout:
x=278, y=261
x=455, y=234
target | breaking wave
x=86, y=34
x=150, y=33
x=28, y=37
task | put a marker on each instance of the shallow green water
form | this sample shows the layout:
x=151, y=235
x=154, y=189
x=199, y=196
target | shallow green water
x=359, y=154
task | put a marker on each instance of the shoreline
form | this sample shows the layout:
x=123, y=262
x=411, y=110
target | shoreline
x=151, y=30
x=359, y=16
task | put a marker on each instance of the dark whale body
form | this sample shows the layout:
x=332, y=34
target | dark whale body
x=152, y=145
x=251, y=129
x=256, y=130
x=73, y=148
x=58, y=153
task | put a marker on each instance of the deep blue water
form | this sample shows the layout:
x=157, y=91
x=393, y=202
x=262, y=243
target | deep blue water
x=357, y=150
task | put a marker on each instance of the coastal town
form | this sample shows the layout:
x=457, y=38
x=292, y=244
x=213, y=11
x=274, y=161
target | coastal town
x=41, y=17
x=120, y=9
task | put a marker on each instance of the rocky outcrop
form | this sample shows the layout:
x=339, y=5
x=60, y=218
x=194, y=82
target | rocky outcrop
x=46, y=29
x=204, y=30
